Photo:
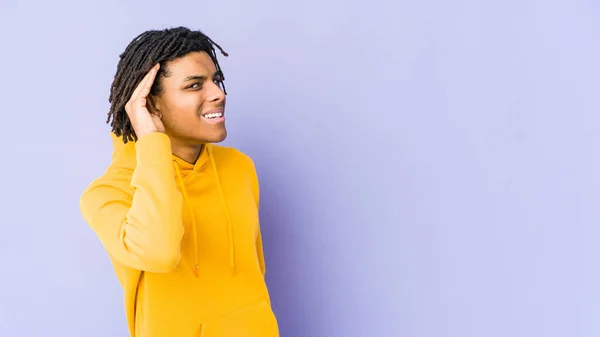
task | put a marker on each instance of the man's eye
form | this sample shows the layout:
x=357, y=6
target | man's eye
x=194, y=86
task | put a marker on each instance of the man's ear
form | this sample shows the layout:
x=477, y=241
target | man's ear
x=153, y=105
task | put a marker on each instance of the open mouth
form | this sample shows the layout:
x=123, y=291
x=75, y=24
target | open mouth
x=214, y=115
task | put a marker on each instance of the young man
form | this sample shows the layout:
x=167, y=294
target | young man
x=178, y=215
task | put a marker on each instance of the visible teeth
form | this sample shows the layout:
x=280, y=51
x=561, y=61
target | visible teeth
x=214, y=115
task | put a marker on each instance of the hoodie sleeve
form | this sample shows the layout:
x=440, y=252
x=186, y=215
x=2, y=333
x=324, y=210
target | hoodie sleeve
x=259, y=244
x=138, y=220
x=259, y=251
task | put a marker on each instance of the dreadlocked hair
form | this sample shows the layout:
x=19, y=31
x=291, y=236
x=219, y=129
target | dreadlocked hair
x=142, y=53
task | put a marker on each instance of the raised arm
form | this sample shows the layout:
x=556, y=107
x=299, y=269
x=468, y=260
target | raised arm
x=138, y=218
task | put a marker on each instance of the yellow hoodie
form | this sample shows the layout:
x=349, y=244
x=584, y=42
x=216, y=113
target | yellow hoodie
x=184, y=240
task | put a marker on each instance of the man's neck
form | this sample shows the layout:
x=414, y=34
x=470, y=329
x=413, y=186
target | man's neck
x=187, y=153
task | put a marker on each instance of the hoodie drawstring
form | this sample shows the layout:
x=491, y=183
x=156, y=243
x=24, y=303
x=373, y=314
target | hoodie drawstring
x=194, y=229
x=227, y=216
x=193, y=220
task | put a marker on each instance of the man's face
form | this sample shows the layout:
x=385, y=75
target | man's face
x=192, y=104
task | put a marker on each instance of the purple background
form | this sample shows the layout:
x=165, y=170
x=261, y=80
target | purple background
x=428, y=168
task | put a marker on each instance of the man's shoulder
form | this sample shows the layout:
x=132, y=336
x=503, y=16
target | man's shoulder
x=113, y=179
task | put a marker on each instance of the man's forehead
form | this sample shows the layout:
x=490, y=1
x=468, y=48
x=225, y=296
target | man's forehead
x=195, y=63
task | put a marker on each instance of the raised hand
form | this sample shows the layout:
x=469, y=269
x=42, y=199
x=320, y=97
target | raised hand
x=142, y=120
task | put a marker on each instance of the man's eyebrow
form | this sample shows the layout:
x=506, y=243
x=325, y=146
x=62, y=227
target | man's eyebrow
x=194, y=77
x=200, y=77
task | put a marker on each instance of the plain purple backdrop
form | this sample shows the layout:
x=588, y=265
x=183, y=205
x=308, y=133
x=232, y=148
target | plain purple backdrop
x=428, y=168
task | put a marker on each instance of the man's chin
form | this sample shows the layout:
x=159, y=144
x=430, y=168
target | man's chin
x=218, y=138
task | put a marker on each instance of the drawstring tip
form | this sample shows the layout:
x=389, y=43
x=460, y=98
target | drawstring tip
x=196, y=272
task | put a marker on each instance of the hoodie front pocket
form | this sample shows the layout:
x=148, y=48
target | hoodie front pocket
x=256, y=320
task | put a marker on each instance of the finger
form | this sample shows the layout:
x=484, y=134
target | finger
x=142, y=84
x=149, y=82
x=137, y=89
x=158, y=123
x=156, y=118
x=146, y=82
